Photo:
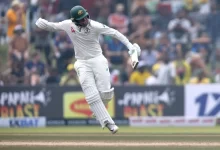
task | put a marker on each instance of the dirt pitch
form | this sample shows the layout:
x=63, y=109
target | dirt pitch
x=93, y=139
x=107, y=144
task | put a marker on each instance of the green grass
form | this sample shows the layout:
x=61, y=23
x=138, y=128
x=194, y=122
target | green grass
x=126, y=135
x=123, y=129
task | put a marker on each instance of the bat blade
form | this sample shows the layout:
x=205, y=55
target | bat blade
x=134, y=65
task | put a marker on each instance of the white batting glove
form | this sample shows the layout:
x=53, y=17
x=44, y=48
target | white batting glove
x=42, y=23
x=134, y=53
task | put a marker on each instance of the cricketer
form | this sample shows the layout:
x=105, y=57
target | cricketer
x=91, y=66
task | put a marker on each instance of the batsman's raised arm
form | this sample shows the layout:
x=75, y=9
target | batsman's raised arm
x=50, y=26
x=134, y=49
x=103, y=29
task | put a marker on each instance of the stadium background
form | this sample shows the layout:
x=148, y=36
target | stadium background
x=175, y=87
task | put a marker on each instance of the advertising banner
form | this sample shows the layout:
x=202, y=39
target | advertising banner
x=149, y=101
x=61, y=104
x=24, y=101
x=202, y=100
x=172, y=121
x=75, y=106
x=81, y=122
x=24, y=122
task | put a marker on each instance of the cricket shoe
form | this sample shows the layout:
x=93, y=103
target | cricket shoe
x=112, y=127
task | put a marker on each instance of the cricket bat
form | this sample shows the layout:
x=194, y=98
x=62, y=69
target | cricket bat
x=134, y=56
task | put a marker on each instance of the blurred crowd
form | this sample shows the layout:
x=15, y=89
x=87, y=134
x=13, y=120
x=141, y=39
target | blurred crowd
x=180, y=41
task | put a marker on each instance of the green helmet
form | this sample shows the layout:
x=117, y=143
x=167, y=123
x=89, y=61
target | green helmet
x=77, y=13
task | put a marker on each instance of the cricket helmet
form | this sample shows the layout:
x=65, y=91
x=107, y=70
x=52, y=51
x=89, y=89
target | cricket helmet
x=78, y=13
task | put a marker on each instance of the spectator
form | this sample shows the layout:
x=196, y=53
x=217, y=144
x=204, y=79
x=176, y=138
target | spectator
x=35, y=69
x=103, y=15
x=19, y=46
x=140, y=24
x=53, y=78
x=149, y=54
x=204, y=7
x=23, y=10
x=14, y=17
x=139, y=76
x=34, y=78
x=217, y=60
x=181, y=67
x=179, y=29
x=119, y=20
x=63, y=50
x=201, y=41
x=164, y=14
x=164, y=71
x=42, y=38
x=70, y=78
x=67, y=4
x=217, y=77
x=152, y=80
x=213, y=24
x=151, y=6
x=196, y=63
x=136, y=4
x=115, y=51
x=17, y=71
x=63, y=15
x=1, y=81
x=194, y=29
x=200, y=79
x=165, y=46
x=115, y=76
x=125, y=73
x=190, y=5
x=2, y=28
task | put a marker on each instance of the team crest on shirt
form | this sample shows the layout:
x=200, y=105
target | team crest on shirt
x=80, y=12
x=72, y=30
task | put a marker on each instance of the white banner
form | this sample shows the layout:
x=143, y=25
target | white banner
x=24, y=122
x=172, y=121
x=202, y=100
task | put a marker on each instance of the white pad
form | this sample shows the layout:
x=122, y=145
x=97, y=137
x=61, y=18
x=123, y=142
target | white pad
x=106, y=96
x=100, y=111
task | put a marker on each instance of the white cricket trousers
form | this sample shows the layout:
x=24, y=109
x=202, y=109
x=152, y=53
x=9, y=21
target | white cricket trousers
x=94, y=77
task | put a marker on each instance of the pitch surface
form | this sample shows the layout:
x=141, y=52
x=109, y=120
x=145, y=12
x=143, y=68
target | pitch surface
x=94, y=138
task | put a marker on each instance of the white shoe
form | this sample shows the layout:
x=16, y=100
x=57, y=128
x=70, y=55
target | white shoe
x=112, y=127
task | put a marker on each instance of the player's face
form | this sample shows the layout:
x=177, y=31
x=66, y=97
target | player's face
x=84, y=22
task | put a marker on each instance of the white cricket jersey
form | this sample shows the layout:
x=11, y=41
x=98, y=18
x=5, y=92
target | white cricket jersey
x=86, y=45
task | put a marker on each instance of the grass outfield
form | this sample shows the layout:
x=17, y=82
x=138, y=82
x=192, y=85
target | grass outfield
x=94, y=138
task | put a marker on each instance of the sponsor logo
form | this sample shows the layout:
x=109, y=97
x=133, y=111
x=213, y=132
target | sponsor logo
x=172, y=121
x=55, y=122
x=76, y=122
x=148, y=97
x=75, y=106
x=148, y=103
x=209, y=104
x=80, y=12
x=27, y=122
x=72, y=30
x=23, y=103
